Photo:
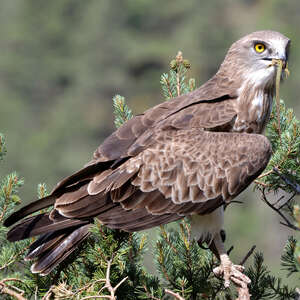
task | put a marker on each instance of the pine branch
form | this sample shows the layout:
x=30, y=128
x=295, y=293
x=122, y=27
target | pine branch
x=286, y=222
x=175, y=295
x=288, y=258
x=11, y=290
x=284, y=163
x=293, y=185
x=42, y=190
x=174, y=83
x=121, y=111
x=264, y=285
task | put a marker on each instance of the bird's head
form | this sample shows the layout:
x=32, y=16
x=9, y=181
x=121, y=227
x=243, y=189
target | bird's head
x=251, y=57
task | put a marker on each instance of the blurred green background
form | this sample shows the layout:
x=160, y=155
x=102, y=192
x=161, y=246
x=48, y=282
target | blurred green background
x=61, y=61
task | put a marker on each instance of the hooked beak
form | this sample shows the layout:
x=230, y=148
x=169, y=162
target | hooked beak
x=283, y=60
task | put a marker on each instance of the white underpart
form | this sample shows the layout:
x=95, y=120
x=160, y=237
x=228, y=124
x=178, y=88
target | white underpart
x=203, y=226
x=261, y=77
x=257, y=104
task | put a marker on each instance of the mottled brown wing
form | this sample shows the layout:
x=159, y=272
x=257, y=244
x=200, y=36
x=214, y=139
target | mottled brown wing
x=137, y=134
x=183, y=111
x=184, y=172
x=195, y=168
x=210, y=106
x=187, y=111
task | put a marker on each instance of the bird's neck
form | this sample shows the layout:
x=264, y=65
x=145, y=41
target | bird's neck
x=253, y=105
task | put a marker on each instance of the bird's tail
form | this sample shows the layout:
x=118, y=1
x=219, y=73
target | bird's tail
x=52, y=248
x=58, y=237
x=29, y=209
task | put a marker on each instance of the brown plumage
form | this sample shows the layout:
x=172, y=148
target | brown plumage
x=185, y=157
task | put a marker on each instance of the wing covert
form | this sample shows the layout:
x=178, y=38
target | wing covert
x=197, y=166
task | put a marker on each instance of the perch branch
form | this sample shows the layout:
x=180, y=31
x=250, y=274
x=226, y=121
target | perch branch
x=175, y=295
x=287, y=222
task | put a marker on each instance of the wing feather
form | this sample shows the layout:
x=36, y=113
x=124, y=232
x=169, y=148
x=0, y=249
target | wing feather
x=183, y=172
x=198, y=171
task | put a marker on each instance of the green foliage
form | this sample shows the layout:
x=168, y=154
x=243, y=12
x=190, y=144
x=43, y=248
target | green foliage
x=9, y=253
x=9, y=193
x=42, y=190
x=289, y=258
x=174, y=83
x=185, y=267
x=286, y=151
x=122, y=112
x=283, y=172
x=265, y=286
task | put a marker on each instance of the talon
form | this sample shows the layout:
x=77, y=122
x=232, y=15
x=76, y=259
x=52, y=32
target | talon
x=231, y=272
x=240, y=268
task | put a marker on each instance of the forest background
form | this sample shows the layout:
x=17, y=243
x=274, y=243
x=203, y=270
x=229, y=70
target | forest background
x=62, y=61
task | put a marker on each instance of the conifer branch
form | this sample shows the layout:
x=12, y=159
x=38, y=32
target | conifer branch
x=121, y=111
x=175, y=295
x=11, y=290
x=294, y=185
x=278, y=211
x=108, y=285
x=284, y=163
x=174, y=84
x=250, y=252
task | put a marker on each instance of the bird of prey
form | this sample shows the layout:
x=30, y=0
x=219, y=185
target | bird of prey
x=190, y=156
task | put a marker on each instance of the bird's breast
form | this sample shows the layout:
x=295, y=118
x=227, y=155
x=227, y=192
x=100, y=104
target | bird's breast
x=253, y=111
x=205, y=227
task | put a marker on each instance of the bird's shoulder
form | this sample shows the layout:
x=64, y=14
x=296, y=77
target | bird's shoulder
x=208, y=107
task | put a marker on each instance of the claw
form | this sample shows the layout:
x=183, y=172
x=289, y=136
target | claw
x=231, y=272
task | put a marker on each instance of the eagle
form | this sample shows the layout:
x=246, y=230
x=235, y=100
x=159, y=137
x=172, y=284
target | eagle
x=188, y=157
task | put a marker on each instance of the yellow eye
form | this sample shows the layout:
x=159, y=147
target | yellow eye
x=259, y=47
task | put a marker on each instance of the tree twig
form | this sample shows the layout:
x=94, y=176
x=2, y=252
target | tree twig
x=229, y=250
x=262, y=183
x=5, y=289
x=108, y=285
x=48, y=294
x=98, y=297
x=149, y=295
x=243, y=261
x=179, y=60
x=287, y=222
x=175, y=295
x=265, y=174
x=295, y=186
x=243, y=291
x=286, y=202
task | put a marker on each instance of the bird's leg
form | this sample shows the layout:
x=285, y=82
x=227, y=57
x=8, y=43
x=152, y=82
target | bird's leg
x=227, y=268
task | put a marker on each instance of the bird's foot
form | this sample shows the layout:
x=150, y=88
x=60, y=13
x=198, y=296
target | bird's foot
x=231, y=272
